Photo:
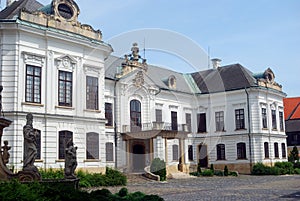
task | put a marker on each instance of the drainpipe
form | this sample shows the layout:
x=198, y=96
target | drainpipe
x=249, y=130
x=115, y=123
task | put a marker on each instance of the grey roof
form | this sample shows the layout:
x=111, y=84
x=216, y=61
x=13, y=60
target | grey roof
x=11, y=11
x=226, y=78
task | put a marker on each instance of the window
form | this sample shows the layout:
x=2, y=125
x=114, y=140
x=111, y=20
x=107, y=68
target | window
x=281, y=120
x=220, y=151
x=188, y=120
x=92, y=93
x=109, y=114
x=239, y=119
x=65, y=89
x=33, y=84
x=219, y=121
x=175, y=152
x=109, y=149
x=201, y=122
x=266, y=148
x=190, y=153
x=276, y=152
x=158, y=115
x=92, y=146
x=38, y=143
x=264, y=117
x=135, y=116
x=241, y=150
x=65, y=137
x=174, y=121
x=274, y=124
x=283, y=150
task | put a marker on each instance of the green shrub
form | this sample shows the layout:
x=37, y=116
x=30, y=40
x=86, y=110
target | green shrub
x=294, y=155
x=198, y=167
x=197, y=174
x=259, y=169
x=52, y=173
x=297, y=165
x=212, y=167
x=123, y=192
x=225, y=170
x=207, y=173
x=235, y=174
x=285, y=167
x=297, y=171
x=219, y=173
x=274, y=170
x=158, y=167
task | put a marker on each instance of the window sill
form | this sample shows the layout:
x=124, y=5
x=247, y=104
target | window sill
x=241, y=129
x=202, y=132
x=223, y=131
x=39, y=161
x=274, y=129
x=221, y=160
x=265, y=129
x=65, y=107
x=91, y=160
x=60, y=160
x=109, y=127
x=241, y=159
x=267, y=158
x=94, y=111
x=32, y=104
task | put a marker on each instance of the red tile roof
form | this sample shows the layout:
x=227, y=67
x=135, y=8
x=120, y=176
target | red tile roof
x=291, y=108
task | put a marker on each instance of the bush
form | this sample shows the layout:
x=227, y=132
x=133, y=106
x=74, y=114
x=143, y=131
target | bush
x=158, y=167
x=259, y=169
x=235, y=174
x=219, y=173
x=285, y=167
x=207, y=173
x=197, y=174
x=297, y=171
x=297, y=165
x=225, y=170
x=294, y=155
x=274, y=170
x=52, y=174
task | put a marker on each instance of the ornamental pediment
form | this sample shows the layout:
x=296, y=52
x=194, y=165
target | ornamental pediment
x=65, y=62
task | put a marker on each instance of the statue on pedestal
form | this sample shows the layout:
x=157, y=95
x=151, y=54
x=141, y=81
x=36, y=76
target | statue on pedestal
x=30, y=150
x=70, y=161
x=4, y=152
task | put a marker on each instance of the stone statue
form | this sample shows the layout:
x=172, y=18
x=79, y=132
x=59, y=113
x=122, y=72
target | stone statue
x=30, y=150
x=70, y=161
x=135, y=52
x=5, y=154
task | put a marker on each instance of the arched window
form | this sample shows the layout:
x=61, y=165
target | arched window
x=92, y=146
x=241, y=150
x=221, y=152
x=65, y=137
x=135, y=115
x=266, y=148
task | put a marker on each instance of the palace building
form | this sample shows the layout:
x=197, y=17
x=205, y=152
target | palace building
x=123, y=112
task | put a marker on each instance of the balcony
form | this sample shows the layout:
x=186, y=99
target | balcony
x=155, y=126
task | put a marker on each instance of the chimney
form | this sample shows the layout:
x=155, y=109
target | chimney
x=216, y=63
x=9, y=2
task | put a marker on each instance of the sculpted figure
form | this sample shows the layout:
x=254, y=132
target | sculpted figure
x=70, y=161
x=5, y=154
x=135, y=52
x=30, y=150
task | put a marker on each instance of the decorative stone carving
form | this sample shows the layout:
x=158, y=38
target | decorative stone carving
x=4, y=152
x=139, y=79
x=70, y=161
x=66, y=63
x=33, y=59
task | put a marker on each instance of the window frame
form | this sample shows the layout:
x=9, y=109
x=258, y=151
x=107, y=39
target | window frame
x=109, y=152
x=63, y=99
x=241, y=151
x=92, y=93
x=264, y=118
x=38, y=139
x=220, y=123
x=201, y=123
x=135, y=115
x=266, y=150
x=64, y=137
x=175, y=152
x=276, y=150
x=92, y=146
x=188, y=121
x=283, y=150
x=158, y=115
x=190, y=153
x=240, y=119
x=221, y=152
x=109, y=114
x=281, y=121
x=274, y=119
x=33, y=97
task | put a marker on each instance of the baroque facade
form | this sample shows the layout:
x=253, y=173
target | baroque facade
x=123, y=112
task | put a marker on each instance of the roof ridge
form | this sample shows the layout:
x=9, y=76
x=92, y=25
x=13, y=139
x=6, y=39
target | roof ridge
x=294, y=110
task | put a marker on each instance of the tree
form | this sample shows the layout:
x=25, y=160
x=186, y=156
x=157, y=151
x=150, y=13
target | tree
x=294, y=155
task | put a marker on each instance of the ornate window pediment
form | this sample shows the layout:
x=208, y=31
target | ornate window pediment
x=33, y=59
x=65, y=62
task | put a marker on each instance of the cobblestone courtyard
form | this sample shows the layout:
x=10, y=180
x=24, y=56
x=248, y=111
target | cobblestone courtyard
x=244, y=187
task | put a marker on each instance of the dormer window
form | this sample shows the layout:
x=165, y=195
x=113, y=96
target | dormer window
x=269, y=75
x=172, y=82
x=65, y=11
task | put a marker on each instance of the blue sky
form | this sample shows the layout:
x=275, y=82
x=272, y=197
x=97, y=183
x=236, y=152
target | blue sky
x=257, y=34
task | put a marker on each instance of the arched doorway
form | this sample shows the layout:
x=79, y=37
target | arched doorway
x=203, y=159
x=138, y=159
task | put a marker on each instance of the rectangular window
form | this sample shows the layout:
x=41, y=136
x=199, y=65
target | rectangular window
x=174, y=121
x=281, y=121
x=65, y=137
x=33, y=84
x=109, y=114
x=264, y=117
x=276, y=152
x=190, y=153
x=201, y=122
x=175, y=152
x=283, y=150
x=65, y=88
x=266, y=148
x=158, y=115
x=221, y=152
x=38, y=143
x=239, y=119
x=274, y=123
x=92, y=146
x=92, y=93
x=219, y=121
x=241, y=150
x=109, y=149
x=188, y=120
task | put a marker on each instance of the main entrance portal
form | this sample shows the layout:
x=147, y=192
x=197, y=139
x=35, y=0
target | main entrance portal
x=203, y=160
x=138, y=159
